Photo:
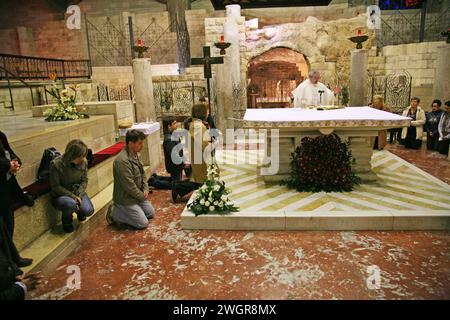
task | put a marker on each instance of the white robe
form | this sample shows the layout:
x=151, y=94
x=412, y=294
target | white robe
x=308, y=94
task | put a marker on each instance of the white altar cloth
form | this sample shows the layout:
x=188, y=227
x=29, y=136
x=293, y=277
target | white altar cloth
x=146, y=127
x=351, y=116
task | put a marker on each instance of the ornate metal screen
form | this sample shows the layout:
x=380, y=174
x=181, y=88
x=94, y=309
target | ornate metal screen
x=176, y=98
x=404, y=26
x=109, y=43
x=105, y=93
x=395, y=88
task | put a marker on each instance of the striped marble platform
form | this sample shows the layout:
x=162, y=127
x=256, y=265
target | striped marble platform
x=403, y=198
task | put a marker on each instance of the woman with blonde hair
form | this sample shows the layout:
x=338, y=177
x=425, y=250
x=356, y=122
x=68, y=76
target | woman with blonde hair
x=379, y=142
x=199, y=141
x=412, y=135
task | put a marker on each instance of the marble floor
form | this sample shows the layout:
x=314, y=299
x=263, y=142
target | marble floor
x=166, y=262
x=436, y=164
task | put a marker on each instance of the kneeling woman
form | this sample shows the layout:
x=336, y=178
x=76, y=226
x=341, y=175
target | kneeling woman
x=68, y=181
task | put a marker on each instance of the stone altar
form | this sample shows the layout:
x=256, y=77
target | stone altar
x=355, y=124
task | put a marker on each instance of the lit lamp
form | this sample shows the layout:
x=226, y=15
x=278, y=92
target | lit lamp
x=140, y=49
x=359, y=39
x=222, y=45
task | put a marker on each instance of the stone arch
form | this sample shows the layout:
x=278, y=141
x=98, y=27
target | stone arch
x=273, y=74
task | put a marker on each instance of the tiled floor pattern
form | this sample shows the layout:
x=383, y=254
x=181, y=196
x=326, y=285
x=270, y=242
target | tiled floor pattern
x=401, y=186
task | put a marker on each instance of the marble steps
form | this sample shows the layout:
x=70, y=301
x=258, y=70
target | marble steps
x=50, y=249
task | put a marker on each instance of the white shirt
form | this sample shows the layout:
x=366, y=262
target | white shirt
x=307, y=93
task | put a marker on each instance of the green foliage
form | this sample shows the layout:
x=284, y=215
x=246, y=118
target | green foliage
x=345, y=96
x=166, y=100
x=322, y=164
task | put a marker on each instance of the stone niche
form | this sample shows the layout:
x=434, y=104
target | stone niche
x=273, y=75
x=323, y=44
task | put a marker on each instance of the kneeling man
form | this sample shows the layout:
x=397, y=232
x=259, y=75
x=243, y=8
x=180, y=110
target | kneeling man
x=130, y=196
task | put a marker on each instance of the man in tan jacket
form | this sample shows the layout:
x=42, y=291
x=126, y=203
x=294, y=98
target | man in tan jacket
x=130, y=195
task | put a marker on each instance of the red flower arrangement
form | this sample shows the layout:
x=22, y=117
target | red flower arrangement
x=322, y=164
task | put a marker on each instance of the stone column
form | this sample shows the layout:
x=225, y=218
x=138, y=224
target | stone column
x=358, y=78
x=228, y=83
x=143, y=90
x=362, y=153
x=441, y=87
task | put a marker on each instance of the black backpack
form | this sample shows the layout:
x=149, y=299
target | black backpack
x=44, y=167
x=90, y=157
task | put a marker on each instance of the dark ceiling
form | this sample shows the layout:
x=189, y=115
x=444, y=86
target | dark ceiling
x=247, y=4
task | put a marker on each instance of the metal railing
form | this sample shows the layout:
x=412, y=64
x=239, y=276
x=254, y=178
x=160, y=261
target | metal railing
x=37, y=68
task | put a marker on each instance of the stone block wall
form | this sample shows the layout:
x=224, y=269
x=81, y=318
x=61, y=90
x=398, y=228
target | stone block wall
x=113, y=76
x=418, y=59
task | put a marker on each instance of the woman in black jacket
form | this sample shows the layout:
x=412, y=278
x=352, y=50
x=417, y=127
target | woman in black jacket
x=10, y=192
x=432, y=124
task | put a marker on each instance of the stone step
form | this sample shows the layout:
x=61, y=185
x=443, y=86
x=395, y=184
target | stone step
x=31, y=223
x=49, y=250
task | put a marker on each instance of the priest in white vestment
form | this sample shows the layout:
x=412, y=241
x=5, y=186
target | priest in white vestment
x=311, y=92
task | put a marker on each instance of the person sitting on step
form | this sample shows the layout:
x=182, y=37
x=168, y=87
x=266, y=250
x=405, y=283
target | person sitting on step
x=130, y=196
x=68, y=182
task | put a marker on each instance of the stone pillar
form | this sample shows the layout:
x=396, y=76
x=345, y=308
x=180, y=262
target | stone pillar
x=143, y=90
x=228, y=84
x=358, y=78
x=441, y=87
x=362, y=153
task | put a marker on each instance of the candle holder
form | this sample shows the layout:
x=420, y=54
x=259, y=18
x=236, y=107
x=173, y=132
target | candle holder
x=359, y=40
x=140, y=50
x=222, y=46
x=446, y=34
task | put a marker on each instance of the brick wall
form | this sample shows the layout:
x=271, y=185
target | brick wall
x=8, y=41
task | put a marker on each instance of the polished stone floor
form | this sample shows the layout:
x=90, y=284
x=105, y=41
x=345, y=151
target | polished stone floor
x=166, y=262
x=436, y=164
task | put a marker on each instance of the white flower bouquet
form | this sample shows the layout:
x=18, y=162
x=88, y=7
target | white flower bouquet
x=65, y=108
x=212, y=196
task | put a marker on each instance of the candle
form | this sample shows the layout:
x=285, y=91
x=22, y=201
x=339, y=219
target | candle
x=222, y=39
x=139, y=43
x=359, y=33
